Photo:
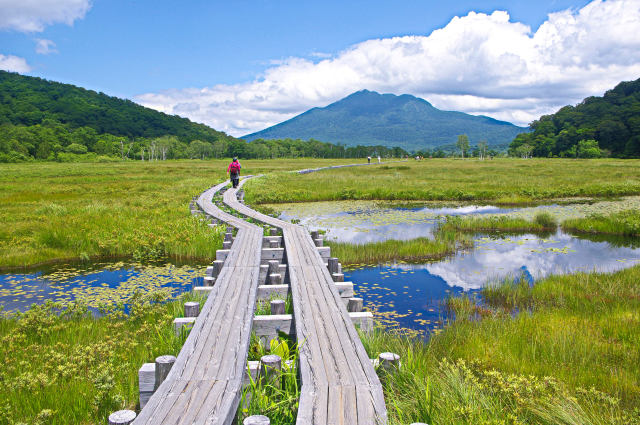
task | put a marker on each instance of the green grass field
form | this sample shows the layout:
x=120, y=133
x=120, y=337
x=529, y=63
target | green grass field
x=570, y=356
x=53, y=212
x=508, y=181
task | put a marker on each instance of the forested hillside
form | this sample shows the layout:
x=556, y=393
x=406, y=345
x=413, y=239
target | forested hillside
x=370, y=118
x=44, y=120
x=598, y=126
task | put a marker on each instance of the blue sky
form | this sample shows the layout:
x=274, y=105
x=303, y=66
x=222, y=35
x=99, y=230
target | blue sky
x=241, y=65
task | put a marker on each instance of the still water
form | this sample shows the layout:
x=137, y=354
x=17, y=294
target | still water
x=411, y=295
x=95, y=283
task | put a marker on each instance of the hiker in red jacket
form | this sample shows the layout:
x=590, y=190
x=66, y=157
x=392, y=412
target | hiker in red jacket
x=234, y=171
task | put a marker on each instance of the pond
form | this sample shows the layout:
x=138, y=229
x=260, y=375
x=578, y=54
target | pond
x=360, y=222
x=95, y=283
x=411, y=295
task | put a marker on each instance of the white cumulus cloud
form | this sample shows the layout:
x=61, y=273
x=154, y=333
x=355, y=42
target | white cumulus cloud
x=45, y=47
x=34, y=15
x=14, y=64
x=478, y=63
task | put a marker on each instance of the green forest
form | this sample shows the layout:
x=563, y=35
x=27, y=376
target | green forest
x=44, y=120
x=597, y=127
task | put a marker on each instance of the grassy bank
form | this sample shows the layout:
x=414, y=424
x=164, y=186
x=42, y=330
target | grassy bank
x=571, y=356
x=542, y=222
x=625, y=223
x=499, y=180
x=444, y=243
x=59, y=369
x=56, y=211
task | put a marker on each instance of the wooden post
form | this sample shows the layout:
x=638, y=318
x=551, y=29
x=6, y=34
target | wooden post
x=270, y=367
x=163, y=366
x=315, y=234
x=146, y=382
x=191, y=309
x=275, y=279
x=256, y=420
x=274, y=244
x=277, y=306
x=209, y=281
x=389, y=362
x=273, y=231
x=318, y=242
x=228, y=237
x=209, y=271
x=122, y=417
x=229, y=229
x=217, y=267
x=355, y=305
x=332, y=264
x=337, y=277
x=226, y=245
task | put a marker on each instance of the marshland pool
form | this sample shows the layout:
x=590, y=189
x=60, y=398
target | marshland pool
x=95, y=284
x=411, y=295
x=401, y=295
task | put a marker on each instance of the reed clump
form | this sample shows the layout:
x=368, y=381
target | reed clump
x=625, y=223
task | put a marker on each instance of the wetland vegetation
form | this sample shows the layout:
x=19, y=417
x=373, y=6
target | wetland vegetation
x=563, y=350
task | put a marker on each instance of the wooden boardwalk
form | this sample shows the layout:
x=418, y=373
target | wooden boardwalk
x=205, y=383
x=339, y=383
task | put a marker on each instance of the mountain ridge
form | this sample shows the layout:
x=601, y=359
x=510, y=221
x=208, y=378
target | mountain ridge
x=370, y=118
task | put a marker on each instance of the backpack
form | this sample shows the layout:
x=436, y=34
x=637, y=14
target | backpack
x=234, y=168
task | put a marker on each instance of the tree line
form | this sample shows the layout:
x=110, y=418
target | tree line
x=597, y=127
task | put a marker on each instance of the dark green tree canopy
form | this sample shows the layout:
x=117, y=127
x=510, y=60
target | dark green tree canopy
x=598, y=126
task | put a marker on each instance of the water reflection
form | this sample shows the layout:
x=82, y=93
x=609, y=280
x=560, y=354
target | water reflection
x=96, y=284
x=366, y=222
x=411, y=295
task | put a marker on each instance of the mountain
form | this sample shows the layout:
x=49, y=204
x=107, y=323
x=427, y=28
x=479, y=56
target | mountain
x=597, y=126
x=370, y=118
x=28, y=101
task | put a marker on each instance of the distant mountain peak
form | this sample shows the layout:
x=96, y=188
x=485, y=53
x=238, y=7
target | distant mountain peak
x=367, y=117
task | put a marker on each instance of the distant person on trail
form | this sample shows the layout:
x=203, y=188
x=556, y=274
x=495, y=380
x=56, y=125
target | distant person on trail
x=378, y=159
x=234, y=172
x=368, y=160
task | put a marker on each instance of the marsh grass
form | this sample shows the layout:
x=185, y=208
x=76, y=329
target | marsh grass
x=56, y=211
x=66, y=366
x=542, y=222
x=625, y=223
x=431, y=387
x=445, y=242
x=582, y=329
x=501, y=181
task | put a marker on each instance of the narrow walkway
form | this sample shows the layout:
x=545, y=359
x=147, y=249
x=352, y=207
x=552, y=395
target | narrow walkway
x=339, y=383
x=205, y=383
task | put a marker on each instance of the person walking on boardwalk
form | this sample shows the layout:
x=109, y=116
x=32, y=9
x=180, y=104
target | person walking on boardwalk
x=234, y=171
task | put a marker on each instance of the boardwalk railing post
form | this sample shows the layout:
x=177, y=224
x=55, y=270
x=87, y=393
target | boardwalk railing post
x=315, y=234
x=332, y=265
x=191, y=309
x=146, y=382
x=355, y=305
x=256, y=420
x=388, y=362
x=163, y=366
x=122, y=417
x=277, y=307
x=270, y=367
x=318, y=242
